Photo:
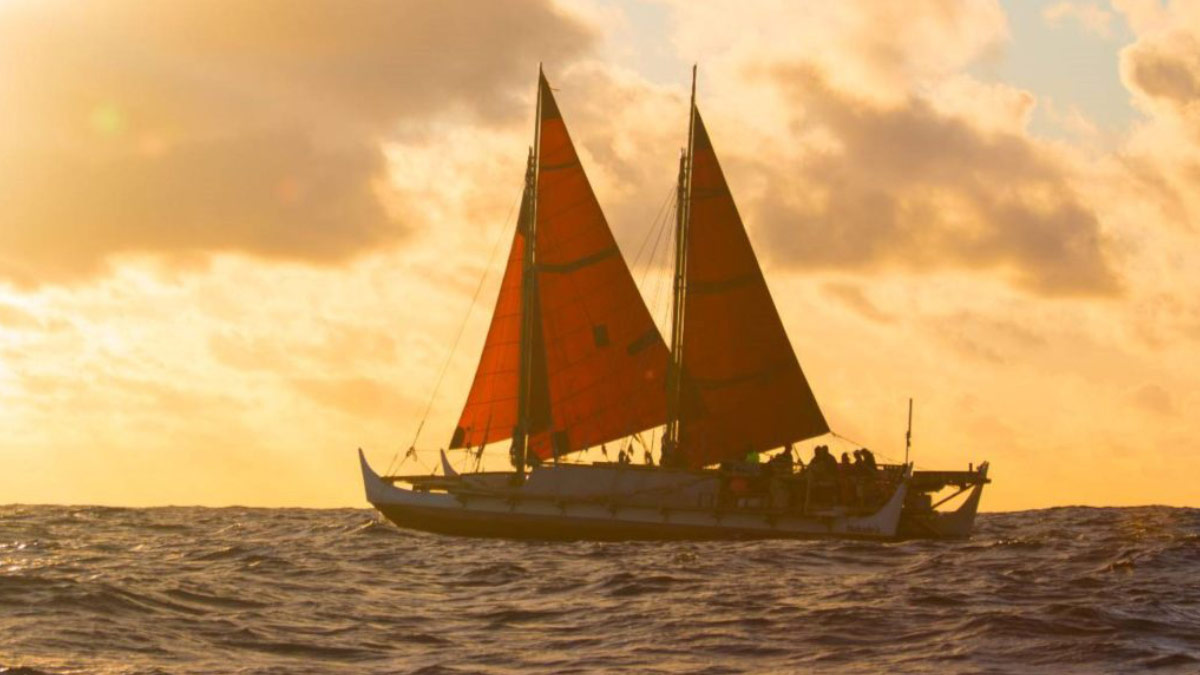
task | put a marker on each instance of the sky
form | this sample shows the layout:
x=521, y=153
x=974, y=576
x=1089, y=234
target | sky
x=240, y=240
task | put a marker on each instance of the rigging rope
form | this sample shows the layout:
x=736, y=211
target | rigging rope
x=412, y=447
x=887, y=458
x=654, y=229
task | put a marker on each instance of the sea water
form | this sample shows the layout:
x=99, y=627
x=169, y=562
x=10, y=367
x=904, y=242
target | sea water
x=237, y=590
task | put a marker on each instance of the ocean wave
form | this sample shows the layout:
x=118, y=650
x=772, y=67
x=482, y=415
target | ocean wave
x=181, y=590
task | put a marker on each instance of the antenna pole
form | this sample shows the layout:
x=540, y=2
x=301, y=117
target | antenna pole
x=908, y=434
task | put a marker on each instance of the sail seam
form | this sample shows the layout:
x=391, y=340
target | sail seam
x=564, y=165
x=722, y=382
x=708, y=192
x=647, y=339
x=578, y=263
x=705, y=287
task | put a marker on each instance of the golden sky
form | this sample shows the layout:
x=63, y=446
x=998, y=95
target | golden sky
x=238, y=238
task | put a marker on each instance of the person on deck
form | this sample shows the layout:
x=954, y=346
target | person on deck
x=781, y=463
x=671, y=457
x=868, y=475
x=847, y=480
x=751, y=455
x=822, y=477
x=779, y=470
x=868, y=458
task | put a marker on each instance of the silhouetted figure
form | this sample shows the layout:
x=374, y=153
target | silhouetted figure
x=822, y=477
x=781, y=463
x=823, y=462
x=868, y=459
x=847, y=480
x=865, y=469
x=670, y=456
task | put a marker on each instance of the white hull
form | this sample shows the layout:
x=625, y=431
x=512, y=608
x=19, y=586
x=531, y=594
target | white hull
x=532, y=511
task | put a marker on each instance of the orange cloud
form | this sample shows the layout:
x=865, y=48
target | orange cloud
x=1161, y=69
x=908, y=186
x=856, y=300
x=1168, y=70
x=189, y=128
x=358, y=396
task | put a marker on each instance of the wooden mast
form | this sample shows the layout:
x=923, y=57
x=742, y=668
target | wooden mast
x=908, y=434
x=529, y=321
x=679, y=297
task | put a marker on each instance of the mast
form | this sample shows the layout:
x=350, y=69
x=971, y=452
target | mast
x=529, y=295
x=573, y=357
x=908, y=434
x=679, y=297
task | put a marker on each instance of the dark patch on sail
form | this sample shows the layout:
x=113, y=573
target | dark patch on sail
x=600, y=335
x=456, y=441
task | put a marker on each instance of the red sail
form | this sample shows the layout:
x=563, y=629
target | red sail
x=492, y=408
x=605, y=359
x=490, y=413
x=736, y=354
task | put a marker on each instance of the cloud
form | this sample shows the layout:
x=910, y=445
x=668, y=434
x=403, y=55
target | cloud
x=909, y=186
x=189, y=128
x=14, y=317
x=1161, y=70
x=879, y=48
x=1089, y=16
x=333, y=347
x=990, y=339
x=273, y=195
x=1166, y=70
x=853, y=297
x=859, y=142
x=1153, y=398
x=358, y=396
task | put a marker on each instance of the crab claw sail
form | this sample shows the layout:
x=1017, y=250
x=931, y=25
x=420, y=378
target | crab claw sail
x=737, y=359
x=598, y=361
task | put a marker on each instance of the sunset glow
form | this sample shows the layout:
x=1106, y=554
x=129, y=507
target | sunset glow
x=237, y=241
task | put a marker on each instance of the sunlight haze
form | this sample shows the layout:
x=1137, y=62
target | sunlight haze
x=239, y=239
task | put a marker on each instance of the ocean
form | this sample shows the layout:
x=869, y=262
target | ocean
x=239, y=590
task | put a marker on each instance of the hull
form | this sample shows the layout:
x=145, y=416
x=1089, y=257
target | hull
x=544, y=513
x=921, y=523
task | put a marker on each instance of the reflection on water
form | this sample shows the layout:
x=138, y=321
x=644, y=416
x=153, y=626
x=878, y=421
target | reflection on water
x=190, y=590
